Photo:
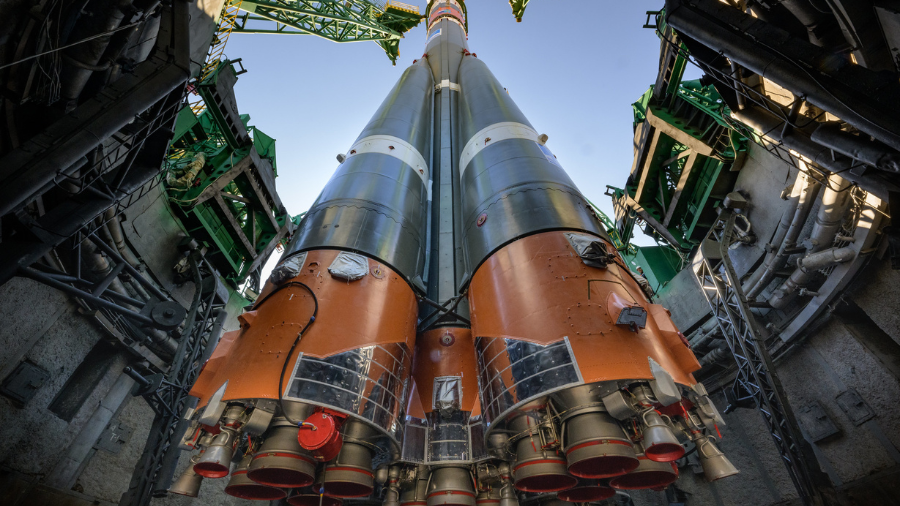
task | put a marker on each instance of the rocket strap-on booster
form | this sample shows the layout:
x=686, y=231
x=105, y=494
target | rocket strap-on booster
x=450, y=325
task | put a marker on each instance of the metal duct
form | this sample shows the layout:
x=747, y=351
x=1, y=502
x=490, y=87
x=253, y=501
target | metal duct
x=777, y=258
x=797, y=140
x=701, y=337
x=30, y=168
x=872, y=153
x=836, y=202
x=82, y=60
x=783, y=226
x=813, y=20
x=118, y=236
x=827, y=258
x=762, y=48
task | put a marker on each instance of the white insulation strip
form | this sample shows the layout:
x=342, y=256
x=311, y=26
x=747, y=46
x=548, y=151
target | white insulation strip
x=396, y=147
x=491, y=135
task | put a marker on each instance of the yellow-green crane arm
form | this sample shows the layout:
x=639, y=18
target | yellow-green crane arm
x=335, y=20
x=518, y=8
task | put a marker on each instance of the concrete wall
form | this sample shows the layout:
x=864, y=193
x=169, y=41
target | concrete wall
x=44, y=327
x=58, y=458
x=857, y=348
x=50, y=460
x=862, y=460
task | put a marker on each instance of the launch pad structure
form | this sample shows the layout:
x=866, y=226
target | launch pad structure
x=452, y=322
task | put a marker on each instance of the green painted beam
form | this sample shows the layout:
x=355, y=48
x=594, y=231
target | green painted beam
x=518, y=8
x=334, y=20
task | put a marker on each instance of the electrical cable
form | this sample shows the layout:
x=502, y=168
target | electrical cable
x=708, y=68
x=290, y=353
x=82, y=41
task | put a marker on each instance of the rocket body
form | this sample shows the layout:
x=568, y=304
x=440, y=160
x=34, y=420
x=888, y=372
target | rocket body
x=450, y=324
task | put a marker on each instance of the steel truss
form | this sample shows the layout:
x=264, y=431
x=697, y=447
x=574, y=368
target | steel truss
x=337, y=21
x=780, y=139
x=756, y=379
x=166, y=388
x=167, y=393
x=106, y=153
x=518, y=8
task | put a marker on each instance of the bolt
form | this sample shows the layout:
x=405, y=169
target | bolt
x=169, y=312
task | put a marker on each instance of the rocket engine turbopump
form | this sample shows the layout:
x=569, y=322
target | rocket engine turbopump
x=450, y=325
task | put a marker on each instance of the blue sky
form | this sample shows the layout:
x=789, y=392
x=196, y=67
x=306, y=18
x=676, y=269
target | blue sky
x=573, y=66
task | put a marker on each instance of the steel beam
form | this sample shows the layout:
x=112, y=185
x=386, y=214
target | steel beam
x=866, y=99
x=756, y=378
x=29, y=170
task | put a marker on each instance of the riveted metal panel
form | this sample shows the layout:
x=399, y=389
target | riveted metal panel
x=368, y=382
x=376, y=203
x=513, y=187
x=512, y=372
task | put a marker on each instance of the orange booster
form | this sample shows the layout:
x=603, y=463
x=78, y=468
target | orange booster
x=450, y=325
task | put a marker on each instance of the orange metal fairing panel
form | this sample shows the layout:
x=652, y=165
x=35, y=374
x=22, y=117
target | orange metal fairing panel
x=379, y=309
x=538, y=289
x=203, y=385
x=433, y=359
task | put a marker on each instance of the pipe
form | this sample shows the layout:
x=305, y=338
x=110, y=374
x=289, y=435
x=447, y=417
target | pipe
x=147, y=38
x=98, y=265
x=777, y=258
x=114, y=226
x=161, y=340
x=28, y=169
x=836, y=202
x=138, y=289
x=797, y=140
x=778, y=238
x=137, y=377
x=122, y=41
x=82, y=60
x=715, y=355
x=86, y=66
x=131, y=270
x=826, y=258
x=63, y=287
x=741, y=38
x=706, y=333
x=811, y=18
x=872, y=153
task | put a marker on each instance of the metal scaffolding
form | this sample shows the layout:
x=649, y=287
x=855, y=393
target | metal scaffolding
x=756, y=379
x=167, y=393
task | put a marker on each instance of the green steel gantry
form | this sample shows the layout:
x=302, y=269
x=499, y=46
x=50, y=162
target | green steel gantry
x=686, y=159
x=518, y=8
x=335, y=20
x=687, y=153
x=220, y=180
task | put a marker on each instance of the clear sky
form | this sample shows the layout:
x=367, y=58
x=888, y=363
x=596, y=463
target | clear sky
x=574, y=67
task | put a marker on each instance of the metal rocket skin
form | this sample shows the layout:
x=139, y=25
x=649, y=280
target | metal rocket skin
x=375, y=203
x=450, y=324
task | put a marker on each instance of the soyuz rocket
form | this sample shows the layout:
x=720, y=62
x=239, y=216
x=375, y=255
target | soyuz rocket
x=450, y=325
